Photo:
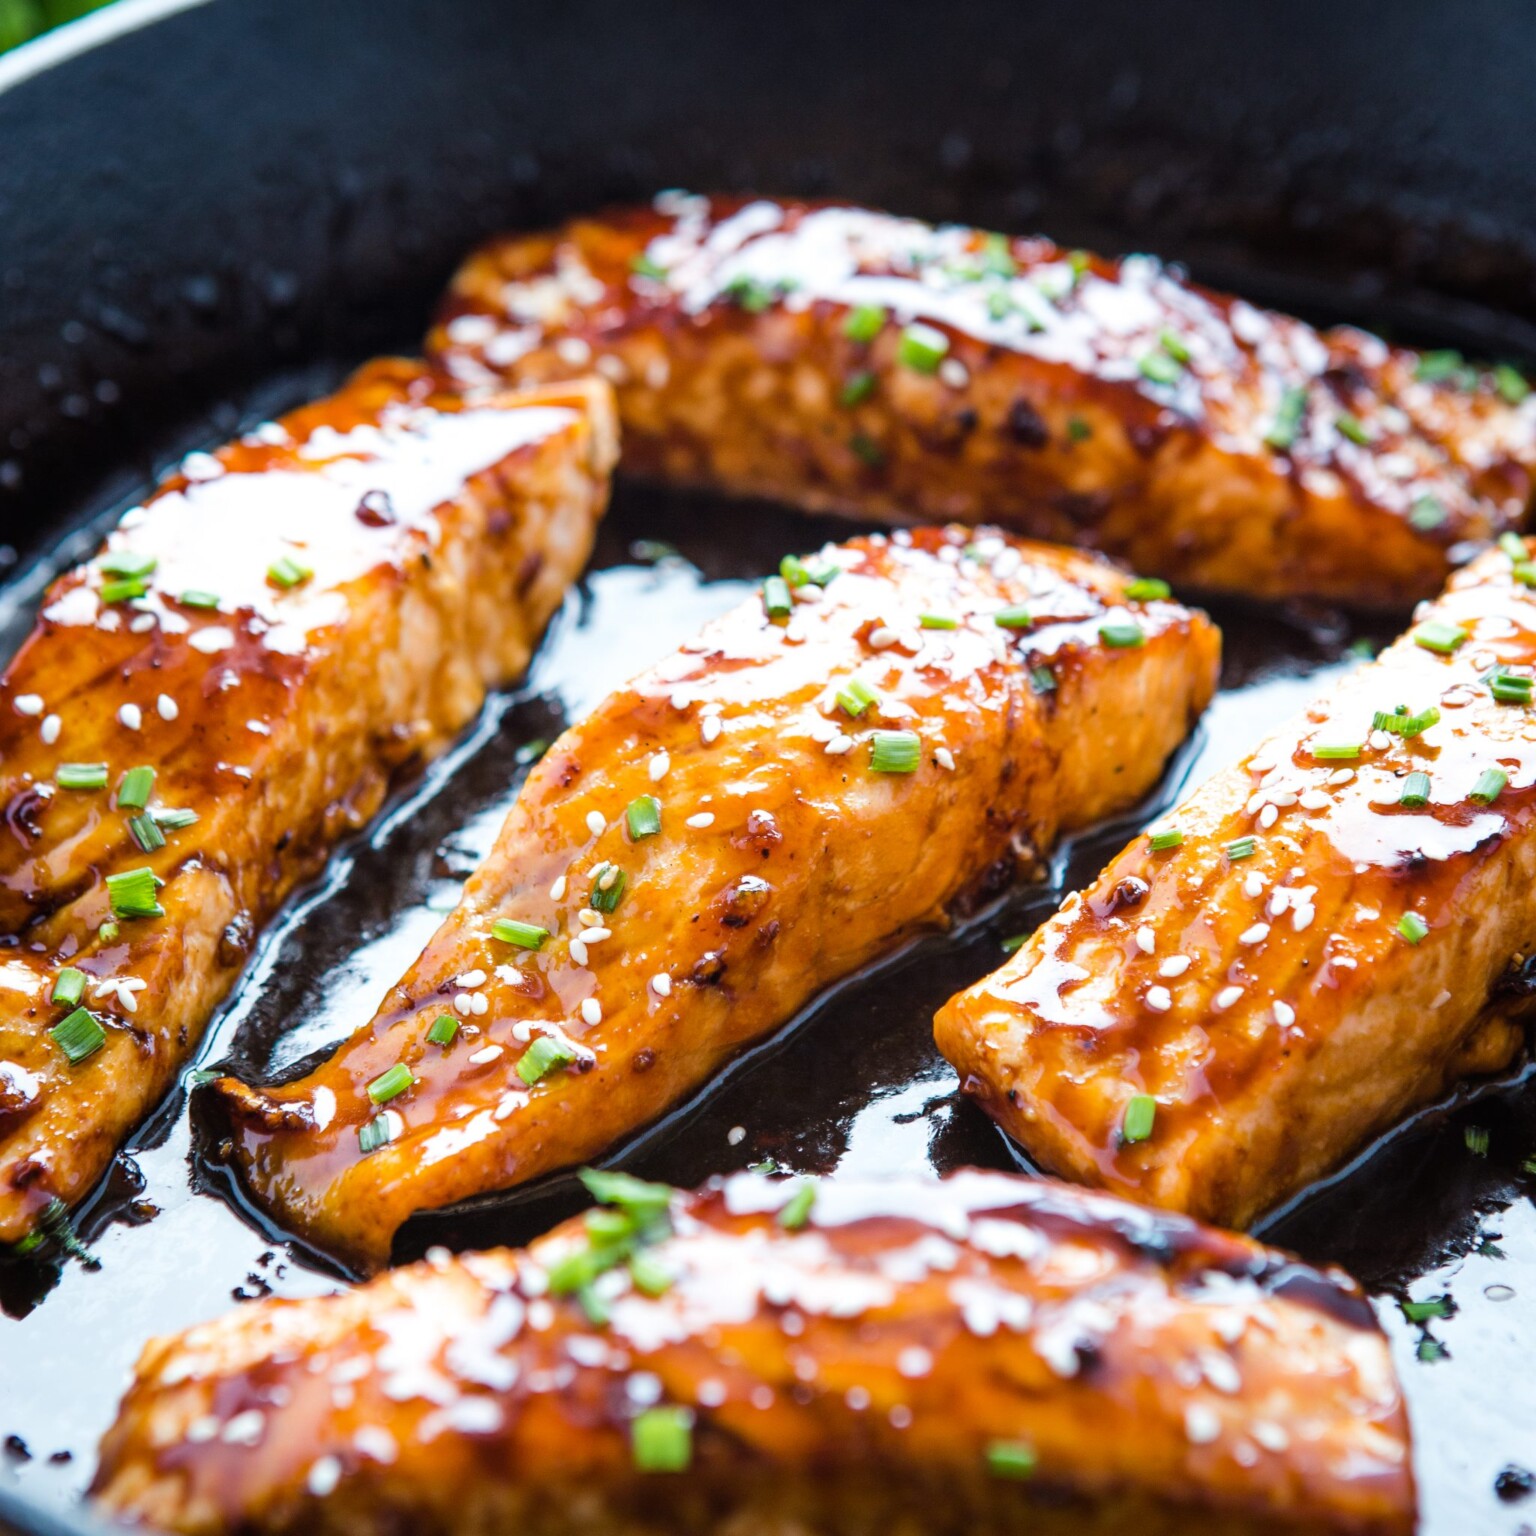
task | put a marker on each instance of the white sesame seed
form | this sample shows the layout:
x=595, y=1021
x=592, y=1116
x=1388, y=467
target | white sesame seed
x=28, y=703
x=1284, y=1014
x=131, y=716
x=882, y=638
x=1268, y=817
x=736, y=1135
x=1380, y=741
x=481, y=1004
x=1253, y=885
x=486, y=1053
x=1159, y=999
x=1279, y=900
x=216, y=637
x=579, y=952
x=258, y=727
x=1260, y=763
x=462, y=1003
x=838, y=745
x=1440, y=999
x=954, y=373
x=944, y=758
x=557, y=890
x=1200, y=1424
x=660, y=762
x=142, y=624
x=661, y=984
x=680, y=699
x=323, y=1477
x=1146, y=940
x=50, y=730
x=700, y=819
x=1284, y=798
x=596, y=935
x=1340, y=777
x=595, y=823
x=1174, y=965
x=1254, y=935
x=1270, y=1435
x=710, y=728
x=589, y=919
x=167, y=707
x=1301, y=917
x=1227, y=996
x=1314, y=800
x=592, y=1011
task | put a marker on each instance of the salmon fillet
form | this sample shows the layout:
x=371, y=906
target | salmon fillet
x=814, y=779
x=986, y=1354
x=1319, y=941
x=836, y=358
x=226, y=690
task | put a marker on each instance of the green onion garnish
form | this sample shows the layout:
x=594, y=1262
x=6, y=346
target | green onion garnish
x=1336, y=751
x=608, y=882
x=1014, y=943
x=1434, y=367
x=124, y=562
x=1400, y=723
x=922, y=347
x=1174, y=345
x=1078, y=429
x=895, y=752
x=123, y=591
x=1489, y=786
x=1412, y=927
x=286, y=572
x=444, y=1028
x=1509, y=687
x=1513, y=546
x=1161, y=842
x=857, y=388
x=1478, y=1139
x=1427, y=513
x=1242, y=848
x=391, y=1084
x=795, y=571
x=1423, y=1311
x=1353, y=428
x=643, y=817
x=1042, y=679
x=1415, y=795
x=796, y=1211
x=193, y=597
x=78, y=1036
x=107, y=933
x=643, y=266
x=1510, y=383
x=81, y=776
x=864, y=322
x=1430, y=1350
x=68, y=987
x=866, y=450
x=997, y=257
x=135, y=789
x=649, y=1275
x=132, y=894
x=1013, y=617
x=524, y=935
x=373, y=1135
x=1288, y=417
x=1160, y=368
x=1524, y=572
x=542, y=1057
x=640, y=1199
x=1440, y=638
x=776, y=598
x=937, y=621
x=145, y=831
x=1122, y=637
x=175, y=820
x=661, y=1440
x=855, y=696
x=751, y=293
x=1146, y=589
x=1139, y=1118
x=1012, y=1459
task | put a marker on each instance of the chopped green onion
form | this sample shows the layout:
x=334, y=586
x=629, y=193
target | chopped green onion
x=1336, y=751
x=857, y=388
x=643, y=266
x=543, y=1055
x=855, y=696
x=895, y=752
x=1161, y=842
x=643, y=817
x=132, y=894
x=937, y=621
x=864, y=322
x=1353, y=428
x=444, y=1028
x=649, y=1275
x=124, y=562
x=1146, y=589
x=639, y=1198
x=796, y=1211
x=1013, y=944
x=1139, y=1118
x=1510, y=383
x=1078, y=429
x=81, y=776
x=174, y=820
x=1423, y=1311
x=1122, y=637
x=1438, y=637
x=1400, y=723
x=1513, y=546
x=595, y=1307
x=1412, y=927
x=1042, y=679
x=795, y=571
x=608, y=882
x=1241, y=848
x=391, y=1084
x=776, y=598
x=1160, y=368
x=867, y=450
x=1430, y=1350
x=123, y=591
x=134, y=791
x=997, y=257
x=107, y=933
x=661, y=1440
x=287, y=572
x=145, y=831
x=1509, y=687
x=1000, y=305
x=751, y=293
x=1014, y=1459
x=1174, y=345
x=1436, y=367
x=1489, y=786
x=1013, y=617
x=79, y=1035
x=922, y=348
x=373, y=1135
x=1415, y=795
x=1478, y=1139
x=193, y=597
x=1426, y=513
x=68, y=987
x=1525, y=573
x=1288, y=418
x=525, y=935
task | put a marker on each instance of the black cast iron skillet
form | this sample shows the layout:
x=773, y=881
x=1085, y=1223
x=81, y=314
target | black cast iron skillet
x=210, y=208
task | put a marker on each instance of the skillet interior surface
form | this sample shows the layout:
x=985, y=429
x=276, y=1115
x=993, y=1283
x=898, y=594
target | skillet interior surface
x=142, y=315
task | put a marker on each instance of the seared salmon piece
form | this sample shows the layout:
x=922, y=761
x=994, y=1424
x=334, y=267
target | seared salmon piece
x=1319, y=941
x=825, y=771
x=985, y=1354
x=226, y=690
x=836, y=358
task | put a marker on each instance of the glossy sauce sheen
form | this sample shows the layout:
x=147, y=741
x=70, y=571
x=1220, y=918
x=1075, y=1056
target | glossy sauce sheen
x=1110, y=404
x=1275, y=1006
x=784, y=862
x=438, y=539
x=1167, y=1379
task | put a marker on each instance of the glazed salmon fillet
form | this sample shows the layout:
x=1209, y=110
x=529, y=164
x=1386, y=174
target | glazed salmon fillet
x=836, y=358
x=226, y=690
x=1319, y=941
x=819, y=775
x=983, y=1354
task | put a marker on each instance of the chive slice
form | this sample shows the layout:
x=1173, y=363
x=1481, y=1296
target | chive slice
x=1439, y=365
x=194, y=597
x=373, y=1134
x=1242, y=848
x=608, y=882
x=1336, y=751
x=1014, y=1459
x=1140, y=1116
x=643, y=817
x=525, y=935
x=79, y=1035
x=1122, y=637
x=594, y=1306
x=1353, y=428
x=145, y=831
x=1160, y=368
x=1000, y=304
x=797, y=573
x=649, y=1275
x=1014, y=943
x=1014, y=617
x=1042, y=679
x=751, y=293
x=1078, y=429
x=1513, y=546
x=922, y=347
x=1415, y=795
x=1161, y=842
x=644, y=266
x=1288, y=418
x=1525, y=572
x=1430, y=1350
x=997, y=257
x=1427, y=513
x=542, y=1057
x=107, y=933
x=81, y=776
x=866, y=450
x=857, y=388
x=1440, y=638
x=134, y=791
x=776, y=598
x=124, y=562
x=937, y=621
x=123, y=591
x=1510, y=383
x=661, y=1440
x=1489, y=786
x=895, y=752
x=444, y=1028
x=287, y=572
x=174, y=820
x=1478, y=1139
x=1509, y=687
x=855, y=696
x=864, y=322
x=638, y=1197
x=1430, y=1307
x=796, y=1211
x=1412, y=927
x=68, y=987
x=391, y=1084
x=1174, y=345
x=1146, y=589
x=132, y=894
x=1400, y=723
